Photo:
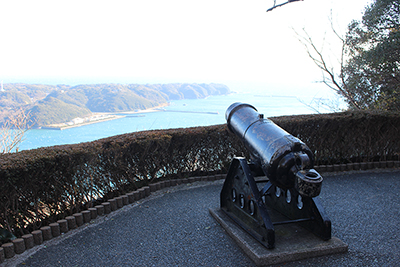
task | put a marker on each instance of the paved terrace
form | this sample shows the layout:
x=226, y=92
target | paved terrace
x=173, y=227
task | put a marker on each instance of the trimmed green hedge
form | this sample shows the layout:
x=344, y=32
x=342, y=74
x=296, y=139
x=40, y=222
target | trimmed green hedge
x=347, y=137
x=43, y=185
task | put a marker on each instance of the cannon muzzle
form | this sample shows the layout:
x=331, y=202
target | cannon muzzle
x=284, y=159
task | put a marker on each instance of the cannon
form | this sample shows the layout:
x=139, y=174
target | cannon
x=278, y=176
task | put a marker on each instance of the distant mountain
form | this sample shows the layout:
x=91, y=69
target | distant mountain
x=105, y=98
x=52, y=110
x=50, y=104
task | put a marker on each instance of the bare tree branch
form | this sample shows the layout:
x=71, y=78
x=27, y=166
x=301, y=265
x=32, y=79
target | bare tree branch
x=13, y=131
x=318, y=58
x=317, y=103
x=282, y=4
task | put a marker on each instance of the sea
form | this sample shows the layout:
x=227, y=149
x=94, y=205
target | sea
x=178, y=114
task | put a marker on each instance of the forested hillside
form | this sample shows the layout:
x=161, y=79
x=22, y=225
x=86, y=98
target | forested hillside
x=49, y=104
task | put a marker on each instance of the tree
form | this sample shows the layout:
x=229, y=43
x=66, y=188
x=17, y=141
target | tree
x=13, y=131
x=369, y=73
x=372, y=72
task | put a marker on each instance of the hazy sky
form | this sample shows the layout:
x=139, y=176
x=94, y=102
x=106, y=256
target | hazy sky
x=235, y=42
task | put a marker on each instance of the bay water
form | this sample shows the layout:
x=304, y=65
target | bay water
x=179, y=114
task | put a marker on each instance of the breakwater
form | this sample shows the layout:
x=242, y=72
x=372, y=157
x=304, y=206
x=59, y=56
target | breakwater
x=189, y=111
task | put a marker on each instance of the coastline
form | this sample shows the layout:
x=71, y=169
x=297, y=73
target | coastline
x=104, y=116
x=63, y=126
x=107, y=116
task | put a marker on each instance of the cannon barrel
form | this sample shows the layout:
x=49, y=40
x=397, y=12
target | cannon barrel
x=284, y=159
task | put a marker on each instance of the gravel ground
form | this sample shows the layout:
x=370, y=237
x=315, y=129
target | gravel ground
x=364, y=208
x=173, y=227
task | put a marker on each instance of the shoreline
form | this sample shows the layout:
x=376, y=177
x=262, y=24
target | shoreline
x=107, y=117
x=64, y=127
x=99, y=117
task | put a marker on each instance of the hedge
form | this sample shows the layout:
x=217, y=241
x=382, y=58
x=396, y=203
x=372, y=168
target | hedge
x=347, y=137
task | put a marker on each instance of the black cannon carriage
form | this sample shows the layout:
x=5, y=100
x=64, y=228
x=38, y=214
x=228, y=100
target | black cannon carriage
x=279, y=176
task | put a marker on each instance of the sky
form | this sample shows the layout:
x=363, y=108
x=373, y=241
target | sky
x=234, y=42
